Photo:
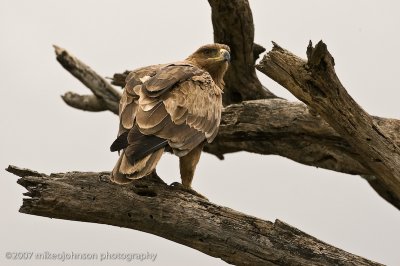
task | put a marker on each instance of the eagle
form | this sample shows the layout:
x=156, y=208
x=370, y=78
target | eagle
x=172, y=107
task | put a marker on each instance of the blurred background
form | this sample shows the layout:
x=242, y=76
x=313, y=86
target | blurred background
x=40, y=132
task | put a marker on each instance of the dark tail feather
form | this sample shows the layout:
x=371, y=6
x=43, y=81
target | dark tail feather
x=141, y=145
x=139, y=157
x=137, y=144
x=120, y=143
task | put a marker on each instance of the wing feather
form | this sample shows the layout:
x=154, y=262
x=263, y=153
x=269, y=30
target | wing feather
x=151, y=118
x=127, y=114
x=129, y=104
x=167, y=77
x=178, y=102
x=201, y=98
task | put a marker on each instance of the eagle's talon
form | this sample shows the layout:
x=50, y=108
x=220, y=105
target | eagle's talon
x=177, y=185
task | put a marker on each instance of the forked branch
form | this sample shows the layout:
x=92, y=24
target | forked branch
x=315, y=83
x=105, y=96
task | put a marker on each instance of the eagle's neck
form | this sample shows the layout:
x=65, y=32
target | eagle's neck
x=216, y=71
x=218, y=78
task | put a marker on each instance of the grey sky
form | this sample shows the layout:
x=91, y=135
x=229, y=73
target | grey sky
x=39, y=131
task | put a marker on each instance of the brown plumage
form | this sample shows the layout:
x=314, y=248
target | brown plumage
x=173, y=106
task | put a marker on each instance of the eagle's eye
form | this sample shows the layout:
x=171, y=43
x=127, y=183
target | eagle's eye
x=208, y=52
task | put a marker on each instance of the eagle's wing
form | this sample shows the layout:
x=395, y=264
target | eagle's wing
x=129, y=101
x=178, y=103
x=181, y=104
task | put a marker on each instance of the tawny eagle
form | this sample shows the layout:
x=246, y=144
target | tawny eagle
x=174, y=107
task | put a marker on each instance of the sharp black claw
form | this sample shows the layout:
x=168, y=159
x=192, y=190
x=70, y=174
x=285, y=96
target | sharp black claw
x=176, y=184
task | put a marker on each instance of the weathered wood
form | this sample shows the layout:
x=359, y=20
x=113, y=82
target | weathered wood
x=107, y=96
x=277, y=126
x=84, y=102
x=151, y=206
x=233, y=25
x=118, y=79
x=315, y=83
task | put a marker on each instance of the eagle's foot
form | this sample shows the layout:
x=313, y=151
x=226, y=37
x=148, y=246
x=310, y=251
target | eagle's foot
x=190, y=190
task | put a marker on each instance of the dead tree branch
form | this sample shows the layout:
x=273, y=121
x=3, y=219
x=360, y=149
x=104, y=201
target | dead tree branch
x=233, y=25
x=280, y=127
x=152, y=206
x=315, y=83
x=107, y=96
x=84, y=102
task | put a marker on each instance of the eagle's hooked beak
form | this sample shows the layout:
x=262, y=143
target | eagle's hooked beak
x=225, y=55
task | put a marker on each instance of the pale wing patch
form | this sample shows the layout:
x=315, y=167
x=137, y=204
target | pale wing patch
x=144, y=79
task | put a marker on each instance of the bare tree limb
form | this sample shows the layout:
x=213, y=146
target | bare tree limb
x=315, y=83
x=85, y=102
x=151, y=206
x=277, y=126
x=118, y=79
x=233, y=25
x=105, y=93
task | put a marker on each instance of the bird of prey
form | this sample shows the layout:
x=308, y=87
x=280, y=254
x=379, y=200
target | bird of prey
x=171, y=107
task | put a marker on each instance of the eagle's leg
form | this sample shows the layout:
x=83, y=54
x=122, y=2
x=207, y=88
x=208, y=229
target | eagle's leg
x=187, y=165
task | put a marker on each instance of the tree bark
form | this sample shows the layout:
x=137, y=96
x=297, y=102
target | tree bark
x=107, y=96
x=149, y=205
x=85, y=102
x=288, y=129
x=315, y=83
x=233, y=25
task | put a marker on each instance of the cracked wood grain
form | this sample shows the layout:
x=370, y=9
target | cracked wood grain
x=151, y=206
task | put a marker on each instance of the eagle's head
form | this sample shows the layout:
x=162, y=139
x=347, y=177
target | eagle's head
x=213, y=58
